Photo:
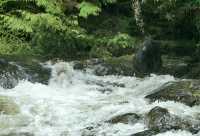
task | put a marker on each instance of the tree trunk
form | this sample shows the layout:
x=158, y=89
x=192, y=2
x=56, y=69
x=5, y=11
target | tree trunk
x=136, y=5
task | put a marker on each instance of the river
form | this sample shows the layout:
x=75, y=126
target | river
x=79, y=103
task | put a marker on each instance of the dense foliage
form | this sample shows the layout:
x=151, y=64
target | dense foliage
x=97, y=28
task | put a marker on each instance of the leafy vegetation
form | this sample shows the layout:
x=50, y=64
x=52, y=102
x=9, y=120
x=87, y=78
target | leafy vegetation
x=98, y=28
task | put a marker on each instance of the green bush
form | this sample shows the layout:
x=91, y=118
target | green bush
x=61, y=42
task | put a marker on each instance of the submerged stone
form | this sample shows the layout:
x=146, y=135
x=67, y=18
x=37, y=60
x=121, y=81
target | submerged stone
x=187, y=92
x=8, y=106
x=17, y=134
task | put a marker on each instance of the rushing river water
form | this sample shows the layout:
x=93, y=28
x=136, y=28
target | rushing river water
x=74, y=101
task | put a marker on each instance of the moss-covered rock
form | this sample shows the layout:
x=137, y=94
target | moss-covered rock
x=187, y=92
x=109, y=66
x=8, y=106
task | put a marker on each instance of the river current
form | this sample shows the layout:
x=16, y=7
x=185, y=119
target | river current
x=79, y=103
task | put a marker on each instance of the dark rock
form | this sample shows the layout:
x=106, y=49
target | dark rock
x=148, y=58
x=194, y=71
x=105, y=90
x=146, y=133
x=11, y=72
x=159, y=119
x=176, y=66
x=187, y=92
x=105, y=84
x=125, y=118
x=9, y=75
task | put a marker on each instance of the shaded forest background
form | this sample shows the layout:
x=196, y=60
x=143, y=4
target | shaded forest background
x=77, y=29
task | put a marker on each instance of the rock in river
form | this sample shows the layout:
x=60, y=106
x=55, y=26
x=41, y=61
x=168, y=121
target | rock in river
x=14, y=70
x=159, y=120
x=8, y=106
x=125, y=118
x=187, y=92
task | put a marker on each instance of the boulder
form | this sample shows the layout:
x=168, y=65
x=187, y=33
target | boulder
x=159, y=120
x=187, y=92
x=148, y=58
x=13, y=70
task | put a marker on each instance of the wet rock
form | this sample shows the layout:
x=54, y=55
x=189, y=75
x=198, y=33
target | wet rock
x=159, y=119
x=146, y=133
x=12, y=71
x=118, y=66
x=176, y=66
x=36, y=72
x=187, y=92
x=105, y=84
x=9, y=74
x=105, y=90
x=127, y=118
x=90, y=130
x=108, y=66
x=148, y=59
x=194, y=71
x=8, y=106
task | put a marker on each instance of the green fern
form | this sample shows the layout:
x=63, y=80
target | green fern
x=87, y=8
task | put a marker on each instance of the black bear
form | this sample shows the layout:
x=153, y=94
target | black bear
x=148, y=58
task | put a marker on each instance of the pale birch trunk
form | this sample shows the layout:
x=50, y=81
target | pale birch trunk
x=136, y=5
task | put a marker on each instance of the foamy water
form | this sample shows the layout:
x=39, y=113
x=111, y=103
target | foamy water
x=75, y=100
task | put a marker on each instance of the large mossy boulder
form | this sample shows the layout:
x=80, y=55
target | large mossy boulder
x=8, y=106
x=148, y=58
x=187, y=92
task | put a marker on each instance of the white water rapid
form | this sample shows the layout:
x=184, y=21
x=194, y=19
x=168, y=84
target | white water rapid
x=76, y=100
